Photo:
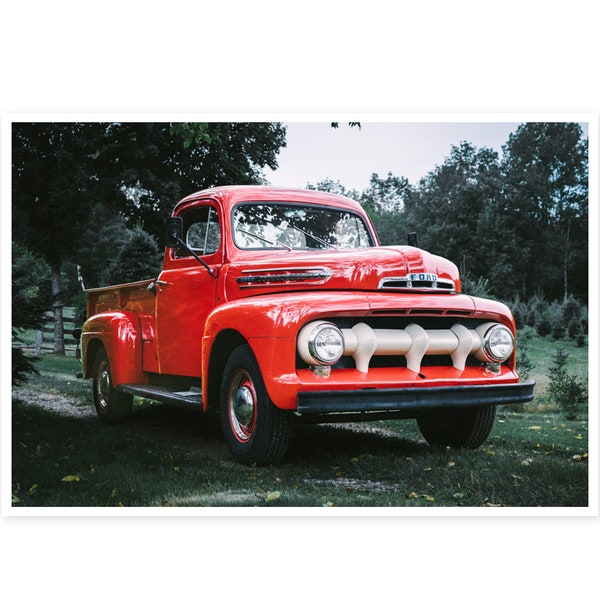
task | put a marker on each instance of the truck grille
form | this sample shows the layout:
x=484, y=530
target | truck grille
x=388, y=341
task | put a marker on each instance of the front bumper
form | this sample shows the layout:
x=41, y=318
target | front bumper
x=411, y=398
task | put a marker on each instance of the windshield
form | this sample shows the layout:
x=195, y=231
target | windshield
x=298, y=227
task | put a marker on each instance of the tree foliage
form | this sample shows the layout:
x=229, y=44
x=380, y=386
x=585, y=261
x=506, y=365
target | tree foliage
x=78, y=187
x=139, y=258
x=31, y=298
x=546, y=203
x=150, y=166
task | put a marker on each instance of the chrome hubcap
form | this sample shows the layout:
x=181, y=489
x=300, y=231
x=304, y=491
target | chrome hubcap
x=103, y=386
x=242, y=406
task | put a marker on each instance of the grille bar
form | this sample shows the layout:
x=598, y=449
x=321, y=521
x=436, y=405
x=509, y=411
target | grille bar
x=362, y=343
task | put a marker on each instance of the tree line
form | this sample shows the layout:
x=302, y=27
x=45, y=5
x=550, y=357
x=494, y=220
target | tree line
x=95, y=196
x=519, y=222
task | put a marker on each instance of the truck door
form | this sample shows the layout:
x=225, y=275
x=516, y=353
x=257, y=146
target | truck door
x=186, y=293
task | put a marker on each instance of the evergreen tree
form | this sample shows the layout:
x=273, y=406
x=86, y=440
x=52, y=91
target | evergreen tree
x=138, y=259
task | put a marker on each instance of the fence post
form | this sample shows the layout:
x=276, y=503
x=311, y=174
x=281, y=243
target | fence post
x=39, y=340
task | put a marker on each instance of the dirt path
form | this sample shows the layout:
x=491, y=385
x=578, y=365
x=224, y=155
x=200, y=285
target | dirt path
x=54, y=402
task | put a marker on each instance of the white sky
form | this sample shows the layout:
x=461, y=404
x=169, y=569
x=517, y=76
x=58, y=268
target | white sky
x=315, y=151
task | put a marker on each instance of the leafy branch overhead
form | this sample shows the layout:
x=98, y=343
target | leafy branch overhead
x=78, y=188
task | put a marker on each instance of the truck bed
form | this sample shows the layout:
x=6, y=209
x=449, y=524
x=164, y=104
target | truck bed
x=127, y=296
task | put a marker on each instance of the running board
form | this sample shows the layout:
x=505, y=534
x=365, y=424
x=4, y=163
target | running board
x=191, y=398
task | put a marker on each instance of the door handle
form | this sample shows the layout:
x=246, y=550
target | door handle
x=152, y=287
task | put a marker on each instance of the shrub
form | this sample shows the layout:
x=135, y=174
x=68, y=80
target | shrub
x=567, y=391
x=519, y=311
x=543, y=324
x=571, y=310
x=524, y=364
x=479, y=287
x=558, y=330
x=536, y=306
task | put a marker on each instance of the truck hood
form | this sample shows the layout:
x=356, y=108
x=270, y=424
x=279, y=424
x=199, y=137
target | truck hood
x=389, y=268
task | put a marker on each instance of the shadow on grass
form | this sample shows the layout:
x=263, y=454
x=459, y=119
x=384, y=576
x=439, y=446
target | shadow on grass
x=316, y=443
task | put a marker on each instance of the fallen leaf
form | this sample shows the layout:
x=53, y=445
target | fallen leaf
x=429, y=498
x=517, y=477
x=451, y=464
x=578, y=437
x=580, y=457
x=412, y=495
x=328, y=504
x=535, y=427
x=71, y=478
x=272, y=496
x=33, y=488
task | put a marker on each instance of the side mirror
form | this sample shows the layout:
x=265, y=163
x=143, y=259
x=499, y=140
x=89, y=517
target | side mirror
x=174, y=232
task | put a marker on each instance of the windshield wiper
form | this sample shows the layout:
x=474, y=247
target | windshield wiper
x=262, y=239
x=314, y=237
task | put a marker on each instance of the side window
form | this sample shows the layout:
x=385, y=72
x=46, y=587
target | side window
x=202, y=231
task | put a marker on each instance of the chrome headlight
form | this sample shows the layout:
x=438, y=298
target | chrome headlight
x=498, y=343
x=321, y=343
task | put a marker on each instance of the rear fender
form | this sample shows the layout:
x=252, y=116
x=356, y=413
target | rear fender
x=119, y=333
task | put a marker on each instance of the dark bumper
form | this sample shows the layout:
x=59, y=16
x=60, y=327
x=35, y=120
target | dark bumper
x=412, y=399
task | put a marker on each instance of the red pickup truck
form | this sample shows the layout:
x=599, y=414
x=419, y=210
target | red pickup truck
x=278, y=306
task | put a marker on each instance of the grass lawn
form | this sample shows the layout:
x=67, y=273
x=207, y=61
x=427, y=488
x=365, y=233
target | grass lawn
x=62, y=456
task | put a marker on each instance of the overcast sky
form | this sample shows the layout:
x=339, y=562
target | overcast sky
x=315, y=151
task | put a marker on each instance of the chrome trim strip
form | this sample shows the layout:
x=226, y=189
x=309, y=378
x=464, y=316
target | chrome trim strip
x=405, y=282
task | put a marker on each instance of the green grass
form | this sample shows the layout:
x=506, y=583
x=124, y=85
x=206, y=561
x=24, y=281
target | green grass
x=167, y=457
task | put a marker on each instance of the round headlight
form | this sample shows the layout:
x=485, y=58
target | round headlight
x=498, y=343
x=326, y=343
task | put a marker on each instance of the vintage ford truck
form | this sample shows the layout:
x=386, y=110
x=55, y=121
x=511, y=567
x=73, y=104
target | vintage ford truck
x=277, y=306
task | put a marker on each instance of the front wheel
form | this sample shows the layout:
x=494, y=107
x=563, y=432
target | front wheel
x=457, y=427
x=111, y=406
x=256, y=431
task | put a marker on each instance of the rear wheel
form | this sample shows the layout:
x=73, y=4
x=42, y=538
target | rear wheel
x=458, y=427
x=111, y=406
x=256, y=431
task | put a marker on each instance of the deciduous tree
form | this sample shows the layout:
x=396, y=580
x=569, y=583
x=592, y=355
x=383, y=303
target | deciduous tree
x=546, y=201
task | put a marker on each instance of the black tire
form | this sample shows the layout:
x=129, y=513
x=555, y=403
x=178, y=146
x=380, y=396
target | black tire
x=458, y=427
x=256, y=431
x=111, y=406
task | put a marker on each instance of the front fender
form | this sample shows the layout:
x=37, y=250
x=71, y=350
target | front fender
x=269, y=325
x=119, y=333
